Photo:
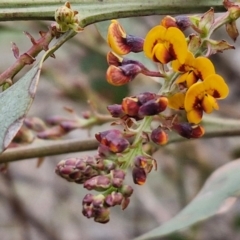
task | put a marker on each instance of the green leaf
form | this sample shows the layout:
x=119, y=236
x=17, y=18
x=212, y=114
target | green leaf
x=92, y=11
x=16, y=100
x=218, y=193
x=14, y=104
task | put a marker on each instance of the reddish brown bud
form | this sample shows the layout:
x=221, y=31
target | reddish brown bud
x=188, y=130
x=139, y=176
x=113, y=139
x=145, y=97
x=159, y=136
x=130, y=106
x=168, y=21
x=122, y=75
x=153, y=107
x=182, y=22
x=144, y=162
x=115, y=110
x=106, y=136
x=118, y=145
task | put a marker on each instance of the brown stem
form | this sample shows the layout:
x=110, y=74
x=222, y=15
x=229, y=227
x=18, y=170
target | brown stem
x=48, y=149
x=71, y=146
x=29, y=56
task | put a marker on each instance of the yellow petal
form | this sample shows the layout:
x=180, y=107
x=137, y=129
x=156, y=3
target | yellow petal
x=203, y=67
x=186, y=66
x=194, y=96
x=209, y=103
x=161, y=54
x=215, y=86
x=195, y=116
x=177, y=44
x=188, y=78
x=116, y=38
x=154, y=36
x=176, y=101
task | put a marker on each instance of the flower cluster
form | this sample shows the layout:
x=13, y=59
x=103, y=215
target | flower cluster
x=190, y=87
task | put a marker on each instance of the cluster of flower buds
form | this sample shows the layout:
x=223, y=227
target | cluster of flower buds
x=102, y=173
x=144, y=104
x=190, y=85
x=98, y=207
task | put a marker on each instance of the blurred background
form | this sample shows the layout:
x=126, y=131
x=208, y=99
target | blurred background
x=36, y=204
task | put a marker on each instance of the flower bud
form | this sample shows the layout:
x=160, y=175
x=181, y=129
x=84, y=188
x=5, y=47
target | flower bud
x=125, y=203
x=34, y=123
x=130, y=106
x=126, y=191
x=115, y=110
x=144, y=162
x=188, y=130
x=76, y=169
x=113, y=139
x=102, y=215
x=153, y=107
x=139, y=176
x=67, y=18
x=159, y=136
x=145, y=97
x=122, y=75
x=182, y=22
x=98, y=183
x=115, y=198
x=109, y=165
x=117, y=177
x=106, y=136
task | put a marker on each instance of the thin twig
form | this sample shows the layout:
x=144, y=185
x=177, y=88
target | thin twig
x=70, y=146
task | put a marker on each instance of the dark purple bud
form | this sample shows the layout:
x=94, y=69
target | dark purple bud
x=115, y=110
x=139, y=176
x=136, y=43
x=145, y=97
x=188, y=130
x=153, y=107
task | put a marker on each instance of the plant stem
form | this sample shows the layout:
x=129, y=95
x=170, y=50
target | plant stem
x=92, y=11
x=223, y=128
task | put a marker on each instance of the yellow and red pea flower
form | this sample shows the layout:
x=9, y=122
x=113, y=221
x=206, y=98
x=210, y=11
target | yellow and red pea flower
x=202, y=96
x=193, y=69
x=121, y=42
x=165, y=44
x=176, y=101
